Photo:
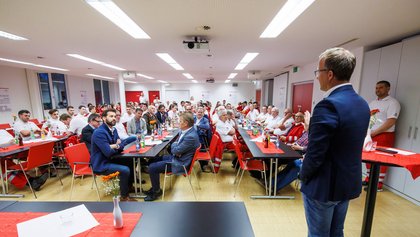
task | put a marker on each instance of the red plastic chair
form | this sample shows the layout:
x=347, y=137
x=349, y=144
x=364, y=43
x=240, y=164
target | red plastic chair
x=38, y=155
x=246, y=163
x=35, y=121
x=4, y=126
x=78, y=158
x=187, y=174
x=210, y=154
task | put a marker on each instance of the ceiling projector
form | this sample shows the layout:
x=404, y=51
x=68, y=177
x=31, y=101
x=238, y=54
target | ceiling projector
x=196, y=46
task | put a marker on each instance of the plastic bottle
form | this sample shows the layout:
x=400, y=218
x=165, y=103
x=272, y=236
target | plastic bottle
x=137, y=144
x=42, y=134
x=32, y=134
x=142, y=142
x=278, y=142
x=16, y=137
x=266, y=140
x=20, y=140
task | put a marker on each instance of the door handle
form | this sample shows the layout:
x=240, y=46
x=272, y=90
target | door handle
x=409, y=131
x=415, y=133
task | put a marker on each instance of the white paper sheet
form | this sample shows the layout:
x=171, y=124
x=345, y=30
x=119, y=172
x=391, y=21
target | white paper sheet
x=258, y=139
x=151, y=143
x=68, y=222
x=401, y=152
x=40, y=140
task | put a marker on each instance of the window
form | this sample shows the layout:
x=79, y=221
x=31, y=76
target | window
x=101, y=91
x=57, y=98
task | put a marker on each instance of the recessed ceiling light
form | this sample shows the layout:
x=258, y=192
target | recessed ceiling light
x=227, y=81
x=131, y=82
x=287, y=14
x=169, y=60
x=11, y=36
x=232, y=75
x=99, y=76
x=162, y=81
x=194, y=81
x=187, y=75
x=78, y=56
x=32, y=64
x=246, y=60
x=111, y=11
x=145, y=76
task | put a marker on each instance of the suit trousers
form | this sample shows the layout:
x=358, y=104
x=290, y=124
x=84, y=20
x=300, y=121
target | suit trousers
x=325, y=219
x=125, y=167
x=157, y=167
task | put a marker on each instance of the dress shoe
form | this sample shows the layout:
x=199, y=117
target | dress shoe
x=128, y=199
x=36, y=183
x=365, y=183
x=152, y=195
x=378, y=190
x=150, y=191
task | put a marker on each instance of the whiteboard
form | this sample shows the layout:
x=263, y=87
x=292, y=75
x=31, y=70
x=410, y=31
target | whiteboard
x=280, y=91
x=177, y=95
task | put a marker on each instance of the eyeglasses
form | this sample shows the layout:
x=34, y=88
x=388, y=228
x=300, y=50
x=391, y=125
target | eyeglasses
x=298, y=116
x=99, y=121
x=316, y=72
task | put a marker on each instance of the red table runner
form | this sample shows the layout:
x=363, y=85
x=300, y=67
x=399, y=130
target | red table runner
x=272, y=149
x=133, y=149
x=410, y=162
x=251, y=135
x=9, y=220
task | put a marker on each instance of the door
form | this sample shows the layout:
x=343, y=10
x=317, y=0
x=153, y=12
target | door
x=302, y=97
x=153, y=95
x=132, y=96
x=258, y=97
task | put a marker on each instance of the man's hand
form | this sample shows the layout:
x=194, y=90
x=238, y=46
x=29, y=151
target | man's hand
x=283, y=138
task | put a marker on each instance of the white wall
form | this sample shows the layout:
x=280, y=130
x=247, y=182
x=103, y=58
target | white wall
x=78, y=87
x=14, y=79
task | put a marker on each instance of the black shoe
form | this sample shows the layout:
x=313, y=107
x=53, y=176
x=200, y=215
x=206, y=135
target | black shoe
x=153, y=195
x=365, y=183
x=38, y=182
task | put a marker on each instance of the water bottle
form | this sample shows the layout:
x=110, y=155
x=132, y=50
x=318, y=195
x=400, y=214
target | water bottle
x=137, y=144
x=16, y=137
x=32, y=134
x=278, y=142
x=143, y=142
x=249, y=124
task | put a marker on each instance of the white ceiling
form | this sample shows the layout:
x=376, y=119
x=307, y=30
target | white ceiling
x=57, y=27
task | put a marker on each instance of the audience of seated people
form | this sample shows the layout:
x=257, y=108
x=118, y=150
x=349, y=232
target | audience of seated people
x=150, y=118
x=285, y=123
x=295, y=131
x=137, y=125
x=94, y=121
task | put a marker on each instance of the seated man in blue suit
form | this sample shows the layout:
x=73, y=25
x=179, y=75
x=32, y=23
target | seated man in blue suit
x=105, y=144
x=182, y=153
x=203, y=128
x=331, y=172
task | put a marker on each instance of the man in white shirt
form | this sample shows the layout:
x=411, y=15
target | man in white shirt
x=70, y=110
x=24, y=126
x=142, y=98
x=82, y=112
x=253, y=113
x=79, y=121
x=128, y=115
x=64, y=124
x=53, y=121
x=263, y=115
x=285, y=123
x=223, y=127
x=272, y=123
x=383, y=130
x=120, y=127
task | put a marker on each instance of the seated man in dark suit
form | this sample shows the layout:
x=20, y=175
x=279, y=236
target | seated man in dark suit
x=94, y=120
x=161, y=115
x=105, y=144
x=182, y=153
x=203, y=128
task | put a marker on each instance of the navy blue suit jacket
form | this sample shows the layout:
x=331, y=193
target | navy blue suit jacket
x=332, y=168
x=203, y=129
x=183, y=150
x=161, y=118
x=101, y=152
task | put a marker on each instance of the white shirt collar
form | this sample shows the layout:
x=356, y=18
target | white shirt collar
x=384, y=99
x=328, y=93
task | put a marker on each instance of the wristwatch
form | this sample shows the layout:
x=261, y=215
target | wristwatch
x=118, y=147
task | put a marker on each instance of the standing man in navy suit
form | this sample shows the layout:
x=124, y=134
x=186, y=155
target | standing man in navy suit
x=182, y=152
x=105, y=144
x=331, y=173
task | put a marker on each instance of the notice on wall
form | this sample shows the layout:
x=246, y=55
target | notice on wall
x=5, y=104
x=83, y=97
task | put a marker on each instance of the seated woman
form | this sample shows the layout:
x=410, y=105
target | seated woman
x=291, y=171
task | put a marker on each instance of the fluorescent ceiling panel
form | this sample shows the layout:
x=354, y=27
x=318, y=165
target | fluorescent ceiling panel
x=32, y=64
x=111, y=11
x=194, y=81
x=11, y=36
x=169, y=60
x=227, y=81
x=232, y=75
x=287, y=14
x=145, y=76
x=78, y=56
x=246, y=60
x=187, y=75
x=99, y=76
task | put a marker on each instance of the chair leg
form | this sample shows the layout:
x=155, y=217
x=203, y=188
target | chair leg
x=164, y=182
x=236, y=176
x=58, y=175
x=195, y=176
x=239, y=182
x=189, y=180
x=96, y=185
x=72, y=182
x=265, y=179
x=27, y=180
x=7, y=179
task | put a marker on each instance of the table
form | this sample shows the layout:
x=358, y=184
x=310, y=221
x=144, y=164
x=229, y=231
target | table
x=15, y=150
x=288, y=155
x=204, y=219
x=151, y=153
x=376, y=159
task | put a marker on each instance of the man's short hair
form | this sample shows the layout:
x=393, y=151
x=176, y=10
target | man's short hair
x=160, y=106
x=52, y=111
x=340, y=61
x=107, y=111
x=23, y=111
x=92, y=117
x=275, y=109
x=92, y=107
x=64, y=117
x=69, y=107
x=221, y=112
x=229, y=112
x=188, y=117
x=138, y=110
x=386, y=83
x=82, y=106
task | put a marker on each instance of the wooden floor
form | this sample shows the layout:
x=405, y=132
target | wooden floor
x=394, y=216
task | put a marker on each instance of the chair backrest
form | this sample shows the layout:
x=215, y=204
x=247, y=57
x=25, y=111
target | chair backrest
x=77, y=153
x=35, y=121
x=39, y=155
x=239, y=153
x=4, y=125
x=193, y=160
x=213, y=145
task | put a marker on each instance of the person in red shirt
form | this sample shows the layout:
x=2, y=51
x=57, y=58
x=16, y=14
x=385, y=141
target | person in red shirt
x=295, y=131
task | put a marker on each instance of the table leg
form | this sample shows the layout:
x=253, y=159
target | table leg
x=3, y=193
x=370, y=200
x=138, y=173
x=272, y=196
